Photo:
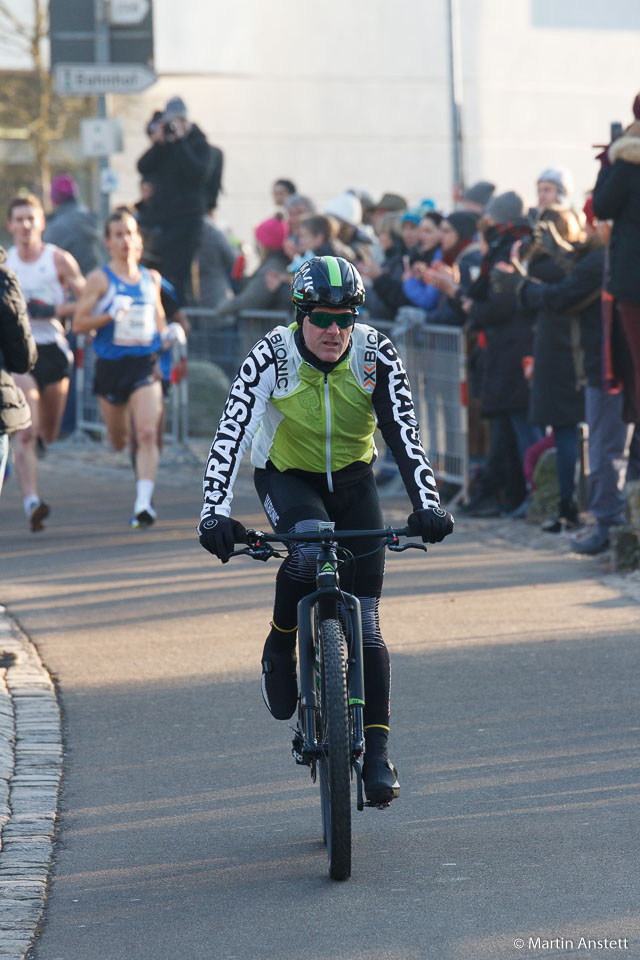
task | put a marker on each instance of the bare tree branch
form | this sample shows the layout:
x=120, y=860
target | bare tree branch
x=17, y=24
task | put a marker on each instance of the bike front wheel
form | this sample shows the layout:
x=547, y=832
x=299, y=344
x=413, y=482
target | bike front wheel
x=335, y=762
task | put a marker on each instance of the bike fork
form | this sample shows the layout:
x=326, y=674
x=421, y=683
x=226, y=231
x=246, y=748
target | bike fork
x=356, y=689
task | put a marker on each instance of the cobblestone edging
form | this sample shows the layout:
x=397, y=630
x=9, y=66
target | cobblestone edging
x=30, y=771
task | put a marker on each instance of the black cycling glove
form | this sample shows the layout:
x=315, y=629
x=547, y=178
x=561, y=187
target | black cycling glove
x=39, y=310
x=432, y=524
x=219, y=534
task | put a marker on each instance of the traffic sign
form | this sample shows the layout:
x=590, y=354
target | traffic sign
x=84, y=79
x=125, y=12
x=101, y=136
x=109, y=180
x=74, y=32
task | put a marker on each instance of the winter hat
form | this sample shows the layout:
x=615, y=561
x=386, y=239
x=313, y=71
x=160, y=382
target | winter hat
x=391, y=202
x=176, y=107
x=272, y=233
x=464, y=223
x=426, y=206
x=506, y=208
x=562, y=179
x=411, y=216
x=63, y=187
x=347, y=207
x=480, y=192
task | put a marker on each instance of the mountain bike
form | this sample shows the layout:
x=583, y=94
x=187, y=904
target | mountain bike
x=329, y=736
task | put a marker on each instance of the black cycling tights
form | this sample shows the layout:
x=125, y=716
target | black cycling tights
x=294, y=504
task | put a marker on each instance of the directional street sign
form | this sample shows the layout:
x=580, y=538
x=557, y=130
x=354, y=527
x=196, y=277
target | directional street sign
x=125, y=12
x=84, y=79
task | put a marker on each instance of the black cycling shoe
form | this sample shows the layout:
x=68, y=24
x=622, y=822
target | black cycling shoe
x=279, y=682
x=380, y=779
x=378, y=773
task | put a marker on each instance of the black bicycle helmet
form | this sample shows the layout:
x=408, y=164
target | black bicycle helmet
x=327, y=282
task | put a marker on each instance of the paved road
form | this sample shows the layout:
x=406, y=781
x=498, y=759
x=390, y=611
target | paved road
x=185, y=828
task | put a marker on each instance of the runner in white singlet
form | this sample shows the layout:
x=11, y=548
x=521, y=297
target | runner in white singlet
x=47, y=275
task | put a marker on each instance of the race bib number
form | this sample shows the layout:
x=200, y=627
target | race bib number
x=135, y=326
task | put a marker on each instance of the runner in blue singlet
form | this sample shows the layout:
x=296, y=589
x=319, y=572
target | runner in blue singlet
x=121, y=305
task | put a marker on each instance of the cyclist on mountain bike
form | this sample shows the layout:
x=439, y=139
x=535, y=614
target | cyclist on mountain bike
x=309, y=396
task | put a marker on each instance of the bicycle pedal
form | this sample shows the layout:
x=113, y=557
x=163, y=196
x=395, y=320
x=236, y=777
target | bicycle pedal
x=379, y=806
x=296, y=751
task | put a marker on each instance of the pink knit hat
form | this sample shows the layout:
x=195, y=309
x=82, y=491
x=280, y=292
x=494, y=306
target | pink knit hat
x=63, y=187
x=272, y=233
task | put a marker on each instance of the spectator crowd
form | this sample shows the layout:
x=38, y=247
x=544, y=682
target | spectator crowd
x=548, y=297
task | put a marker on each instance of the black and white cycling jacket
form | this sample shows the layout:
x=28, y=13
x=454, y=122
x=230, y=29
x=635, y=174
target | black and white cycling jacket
x=302, y=418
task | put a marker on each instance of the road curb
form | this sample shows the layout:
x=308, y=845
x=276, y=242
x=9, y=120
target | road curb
x=30, y=773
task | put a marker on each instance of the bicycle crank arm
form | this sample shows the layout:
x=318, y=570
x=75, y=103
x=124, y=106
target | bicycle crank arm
x=357, y=763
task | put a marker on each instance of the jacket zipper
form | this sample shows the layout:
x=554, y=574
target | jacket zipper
x=327, y=413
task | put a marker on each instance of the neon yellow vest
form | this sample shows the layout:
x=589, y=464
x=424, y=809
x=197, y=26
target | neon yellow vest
x=315, y=421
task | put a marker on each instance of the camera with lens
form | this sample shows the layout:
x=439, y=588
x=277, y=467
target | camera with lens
x=170, y=131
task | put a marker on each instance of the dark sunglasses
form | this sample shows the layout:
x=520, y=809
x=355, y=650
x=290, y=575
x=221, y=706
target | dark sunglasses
x=320, y=319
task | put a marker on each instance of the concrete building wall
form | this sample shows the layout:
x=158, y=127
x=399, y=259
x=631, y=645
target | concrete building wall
x=355, y=94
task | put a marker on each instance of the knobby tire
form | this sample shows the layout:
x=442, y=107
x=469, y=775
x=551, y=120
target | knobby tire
x=335, y=765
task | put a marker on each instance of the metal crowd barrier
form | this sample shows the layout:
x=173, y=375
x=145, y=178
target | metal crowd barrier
x=226, y=341
x=435, y=359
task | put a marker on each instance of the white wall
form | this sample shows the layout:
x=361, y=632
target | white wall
x=355, y=93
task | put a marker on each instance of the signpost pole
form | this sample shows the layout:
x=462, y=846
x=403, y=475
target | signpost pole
x=102, y=57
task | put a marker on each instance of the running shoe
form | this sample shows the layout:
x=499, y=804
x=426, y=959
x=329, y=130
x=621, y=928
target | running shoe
x=142, y=519
x=37, y=515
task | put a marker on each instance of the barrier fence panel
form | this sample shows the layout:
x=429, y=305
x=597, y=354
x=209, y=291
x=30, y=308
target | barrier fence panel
x=435, y=361
x=225, y=341
x=88, y=419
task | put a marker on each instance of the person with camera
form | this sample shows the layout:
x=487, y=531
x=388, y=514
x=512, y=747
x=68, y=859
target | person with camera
x=181, y=164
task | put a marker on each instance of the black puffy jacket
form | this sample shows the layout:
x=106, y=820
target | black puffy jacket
x=616, y=196
x=18, y=351
x=577, y=298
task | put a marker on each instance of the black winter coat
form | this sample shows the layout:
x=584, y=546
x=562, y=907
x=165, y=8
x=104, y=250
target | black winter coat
x=508, y=339
x=616, y=196
x=556, y=398
x=18, y=351
x=180, y=172
x=577, y=294
x=388, y=285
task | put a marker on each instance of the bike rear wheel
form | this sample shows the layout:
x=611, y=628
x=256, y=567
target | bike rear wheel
x=335, y=762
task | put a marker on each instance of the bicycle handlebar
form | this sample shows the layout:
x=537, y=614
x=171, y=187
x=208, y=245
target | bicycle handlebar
x=259, y=543
x=328, y=536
